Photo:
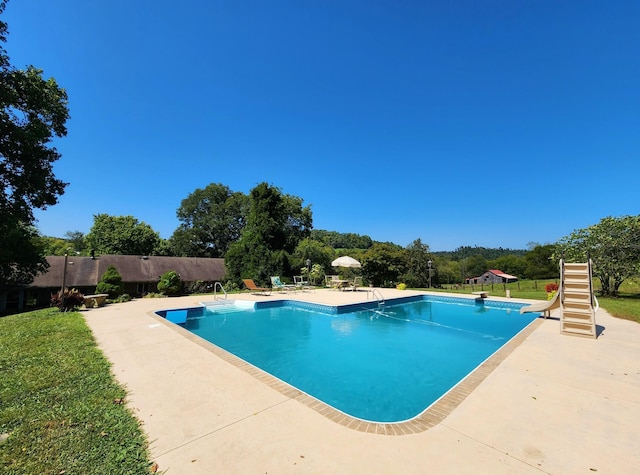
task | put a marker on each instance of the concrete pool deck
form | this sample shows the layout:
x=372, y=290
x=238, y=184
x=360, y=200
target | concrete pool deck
x=553, y=404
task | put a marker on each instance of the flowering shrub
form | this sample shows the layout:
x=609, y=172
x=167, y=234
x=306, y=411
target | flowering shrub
x=72, y=299
x=551, y=287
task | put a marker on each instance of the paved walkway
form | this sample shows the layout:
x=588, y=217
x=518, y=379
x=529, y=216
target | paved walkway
x=556, y=404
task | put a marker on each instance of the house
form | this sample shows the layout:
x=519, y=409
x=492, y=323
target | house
x=140, y=275
x=493, y=276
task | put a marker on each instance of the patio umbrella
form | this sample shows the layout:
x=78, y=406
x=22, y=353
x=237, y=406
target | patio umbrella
x=345, y=261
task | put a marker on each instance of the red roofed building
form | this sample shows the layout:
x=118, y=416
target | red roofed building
x=493, y=276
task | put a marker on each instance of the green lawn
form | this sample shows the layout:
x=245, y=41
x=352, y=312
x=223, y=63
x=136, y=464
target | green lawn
x=61, y=411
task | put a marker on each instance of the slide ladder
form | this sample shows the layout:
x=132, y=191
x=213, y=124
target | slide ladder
x=577, y=299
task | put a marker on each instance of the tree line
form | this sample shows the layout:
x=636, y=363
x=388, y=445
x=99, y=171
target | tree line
x=267, y=232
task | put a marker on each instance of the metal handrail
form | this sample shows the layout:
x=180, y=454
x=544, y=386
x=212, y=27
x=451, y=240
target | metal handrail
x=379, y=296
x=215, y=286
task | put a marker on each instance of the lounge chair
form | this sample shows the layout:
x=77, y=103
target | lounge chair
x=278, y=285
x=251, y=285
x=300, y=283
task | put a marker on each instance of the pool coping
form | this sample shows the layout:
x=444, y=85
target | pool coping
x=430, y=417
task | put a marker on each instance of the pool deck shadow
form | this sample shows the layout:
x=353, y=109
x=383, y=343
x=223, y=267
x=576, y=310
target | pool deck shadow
x=544, y=403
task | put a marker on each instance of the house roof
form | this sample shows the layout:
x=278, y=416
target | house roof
x=499, y=273
x=86, y=272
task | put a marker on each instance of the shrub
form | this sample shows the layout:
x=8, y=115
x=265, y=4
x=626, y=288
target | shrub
x=170, y=283
x=122, y=298
x=551, y=287
x=198, y=287
x=110, y=283
x=153, y=295
x=401, y=286
x=68, y=300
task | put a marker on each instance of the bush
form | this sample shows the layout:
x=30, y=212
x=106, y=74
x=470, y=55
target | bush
x=68, y=300
x=551, y=287
x=153, y=295
x=170, y=283
x=198, y=287
x=122, y=298
x=110, y=283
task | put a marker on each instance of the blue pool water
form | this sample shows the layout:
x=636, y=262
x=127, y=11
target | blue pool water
x=382, y=365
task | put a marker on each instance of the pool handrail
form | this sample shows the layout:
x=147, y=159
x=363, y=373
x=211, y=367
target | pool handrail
x=215, y=286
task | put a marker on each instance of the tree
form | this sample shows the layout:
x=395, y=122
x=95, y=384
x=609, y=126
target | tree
x=509, y=264
x=211, y=219
x=447, y=271
x=614, y=246
x=123, y=235
x=52, y=246
x=475, y=266
x=21, y=253
x=539, y=262
x=418, y=269
x=315, y=251
x=76, y=239
x=275, y=225
x=33, y=111
x=338, y=240
x=384, y=263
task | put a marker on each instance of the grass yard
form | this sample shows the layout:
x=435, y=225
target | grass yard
x=61, y=411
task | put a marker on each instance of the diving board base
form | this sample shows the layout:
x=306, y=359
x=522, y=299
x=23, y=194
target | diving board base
x=482, y=294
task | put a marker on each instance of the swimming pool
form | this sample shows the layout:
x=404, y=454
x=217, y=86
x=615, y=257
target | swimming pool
x=385, y=364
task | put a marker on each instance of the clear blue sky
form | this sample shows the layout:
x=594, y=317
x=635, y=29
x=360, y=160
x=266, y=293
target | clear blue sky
x=492, y=123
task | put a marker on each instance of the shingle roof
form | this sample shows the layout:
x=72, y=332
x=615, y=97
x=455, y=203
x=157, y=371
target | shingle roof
x=85, y=272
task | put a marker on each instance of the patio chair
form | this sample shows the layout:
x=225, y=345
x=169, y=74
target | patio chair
x=278, y=285
x=300, y=283
x=251, y=285
x=330, y=281
x=357, y=282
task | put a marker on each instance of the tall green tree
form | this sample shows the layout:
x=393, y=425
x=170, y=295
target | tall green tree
x=275, y=225
x=33, y=111
x=210, y=220
x=418, y=259
x=123, y=235
x=614, y=246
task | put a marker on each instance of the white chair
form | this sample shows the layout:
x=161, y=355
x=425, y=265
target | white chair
x=300, y=283
x=276, y=284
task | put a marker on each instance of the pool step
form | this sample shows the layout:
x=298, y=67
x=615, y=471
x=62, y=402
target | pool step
x=228, y=306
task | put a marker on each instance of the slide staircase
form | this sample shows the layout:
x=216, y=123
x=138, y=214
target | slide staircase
x=577, y=299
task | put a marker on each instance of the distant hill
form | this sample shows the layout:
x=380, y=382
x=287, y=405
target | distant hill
x=488, y=253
